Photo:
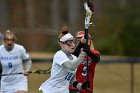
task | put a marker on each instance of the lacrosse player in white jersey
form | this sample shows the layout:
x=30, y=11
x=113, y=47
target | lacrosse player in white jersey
x=64, y=65
x=12, y=58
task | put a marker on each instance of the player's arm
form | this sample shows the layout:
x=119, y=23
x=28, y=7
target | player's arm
x=77, y=49
x=26, y=60
x=79, y=85
x=28, y=64
x=75, y=83
x=94, y=56
x=73, y=64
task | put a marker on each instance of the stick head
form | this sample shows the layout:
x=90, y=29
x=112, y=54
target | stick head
x=88, y=15
x=91, y=6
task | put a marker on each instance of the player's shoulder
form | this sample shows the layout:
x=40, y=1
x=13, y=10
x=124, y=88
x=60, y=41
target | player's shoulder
x=95, y=51
x=18, y=46
x=58, y=53
x=1, y=46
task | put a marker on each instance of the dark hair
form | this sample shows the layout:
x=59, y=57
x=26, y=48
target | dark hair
x=64, y=31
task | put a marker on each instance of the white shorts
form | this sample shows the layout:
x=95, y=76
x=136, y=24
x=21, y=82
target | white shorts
x=17, y=86
x=21, y=86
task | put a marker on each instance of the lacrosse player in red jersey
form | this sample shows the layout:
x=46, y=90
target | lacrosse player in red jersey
x=93, y=59
x=12, y=58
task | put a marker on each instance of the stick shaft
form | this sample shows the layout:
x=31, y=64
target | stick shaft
x=10, y=74
x=86, y=37
x=37, y=71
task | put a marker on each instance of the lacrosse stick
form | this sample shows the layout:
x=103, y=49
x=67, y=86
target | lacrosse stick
x=36, y=72
x=89, y=11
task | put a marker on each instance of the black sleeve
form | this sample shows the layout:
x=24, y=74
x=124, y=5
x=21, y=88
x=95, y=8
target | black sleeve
x=94, y=56
x=77, y=49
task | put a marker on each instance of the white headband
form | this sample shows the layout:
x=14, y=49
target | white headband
x=66, y=37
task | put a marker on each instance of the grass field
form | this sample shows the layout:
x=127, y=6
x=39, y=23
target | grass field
x=115, y=78
x=35, y=80
x=109, y=78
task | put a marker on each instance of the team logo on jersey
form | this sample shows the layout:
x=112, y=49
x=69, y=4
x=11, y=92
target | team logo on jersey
x=9, y=58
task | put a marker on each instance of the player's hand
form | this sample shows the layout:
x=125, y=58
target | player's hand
x=87, y=51
x=26, y=73
x=86, y=85
x=83, y=40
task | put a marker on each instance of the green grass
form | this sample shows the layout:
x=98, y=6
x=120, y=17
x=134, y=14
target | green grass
x=109, y=78
x=35, y=80
x=115, y=78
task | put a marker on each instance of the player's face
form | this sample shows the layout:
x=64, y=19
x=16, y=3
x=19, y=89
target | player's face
x=69, y=46
x=78, y=39
x=9, y=40
x=82, y=39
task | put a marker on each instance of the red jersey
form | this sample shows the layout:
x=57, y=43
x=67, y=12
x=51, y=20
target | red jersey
x=81, y=73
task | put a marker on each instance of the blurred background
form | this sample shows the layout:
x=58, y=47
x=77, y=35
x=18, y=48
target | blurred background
x=115, y=31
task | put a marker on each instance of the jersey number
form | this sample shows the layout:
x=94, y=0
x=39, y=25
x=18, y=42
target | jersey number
x=69, y=76
x=84, y=72
x=10, y=65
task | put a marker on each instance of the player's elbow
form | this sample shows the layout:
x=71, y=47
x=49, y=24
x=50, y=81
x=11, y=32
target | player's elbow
x=96, y=58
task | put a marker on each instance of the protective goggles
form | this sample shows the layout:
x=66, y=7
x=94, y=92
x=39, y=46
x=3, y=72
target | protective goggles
x=70, y=42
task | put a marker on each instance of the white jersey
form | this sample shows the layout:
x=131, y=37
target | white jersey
x=12, y=62
x=60, y=75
